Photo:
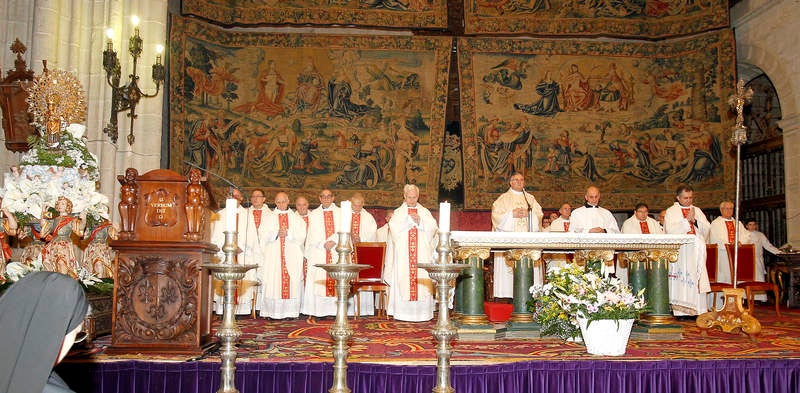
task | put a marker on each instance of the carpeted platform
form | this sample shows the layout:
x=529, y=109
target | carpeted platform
x=393, y=342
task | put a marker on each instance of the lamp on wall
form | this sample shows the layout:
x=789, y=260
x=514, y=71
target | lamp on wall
x=125, y=97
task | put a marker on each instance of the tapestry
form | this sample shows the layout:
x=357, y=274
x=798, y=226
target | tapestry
x=630, y=18
x=295, y=112
x=623, y=116
x=385, y=13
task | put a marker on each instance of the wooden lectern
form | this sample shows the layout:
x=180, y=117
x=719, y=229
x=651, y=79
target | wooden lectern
x=161, y=292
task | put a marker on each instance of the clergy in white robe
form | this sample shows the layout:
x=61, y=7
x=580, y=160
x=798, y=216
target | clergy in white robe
x=382, y=234
x=688, y=279
x=248, y=240
x=513, y=211
x=640, y=223
x=761, y=243
x=282, y=272
x=722, y=232
x=363, y=228
x=301, y=208
x=562, y=223
x=591, y=218
x=413, y=232
x=319, y=296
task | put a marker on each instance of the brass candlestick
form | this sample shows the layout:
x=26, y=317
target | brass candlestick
x=343, y=272
x=228, y=333
x=443, y=272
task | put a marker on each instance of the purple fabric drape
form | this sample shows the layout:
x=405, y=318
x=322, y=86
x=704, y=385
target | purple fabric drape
x=601, y=376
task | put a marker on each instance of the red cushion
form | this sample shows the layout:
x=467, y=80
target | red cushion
x=498, y=312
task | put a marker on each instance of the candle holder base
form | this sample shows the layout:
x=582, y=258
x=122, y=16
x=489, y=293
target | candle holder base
x=340, y=331
x=228, y=332
x=444, y=331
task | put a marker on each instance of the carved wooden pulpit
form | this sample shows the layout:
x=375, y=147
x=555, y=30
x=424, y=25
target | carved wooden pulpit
x=161, y=292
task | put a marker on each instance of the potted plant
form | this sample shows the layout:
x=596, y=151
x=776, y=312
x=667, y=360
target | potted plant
x=576, y=301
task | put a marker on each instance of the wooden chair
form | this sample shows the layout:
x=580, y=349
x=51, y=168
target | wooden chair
x=371, y=279
x=712, y=259
x=746, y=276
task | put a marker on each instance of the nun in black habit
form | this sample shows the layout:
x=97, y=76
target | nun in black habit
x=40, y=315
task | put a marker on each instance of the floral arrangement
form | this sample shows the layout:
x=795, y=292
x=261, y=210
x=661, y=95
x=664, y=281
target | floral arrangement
x=573, y=292
x=30, y=191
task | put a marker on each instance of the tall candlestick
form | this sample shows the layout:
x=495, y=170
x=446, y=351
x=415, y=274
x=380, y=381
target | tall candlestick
x=230, y=214
x=347, y=216
x=444, y=217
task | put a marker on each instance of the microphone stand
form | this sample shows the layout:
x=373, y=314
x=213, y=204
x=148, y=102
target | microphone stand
x=530, y=210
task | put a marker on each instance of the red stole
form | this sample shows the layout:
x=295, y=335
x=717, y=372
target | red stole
x=330, y=284
x=305, y=261
x=413, y=237
x=685, y=211
x=283, y=223
x=644, y=227
x=566, y=226
x=355, y=228
x=730, y=225
x=257, y=217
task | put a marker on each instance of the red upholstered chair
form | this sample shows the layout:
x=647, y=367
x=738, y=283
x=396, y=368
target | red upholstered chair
x=746, y=276
x=711, y=268
x=371, y=279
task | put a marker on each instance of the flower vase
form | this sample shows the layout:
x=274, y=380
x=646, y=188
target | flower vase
x=608, y=337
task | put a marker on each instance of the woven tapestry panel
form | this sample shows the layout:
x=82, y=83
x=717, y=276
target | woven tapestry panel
x=385, y=13
x=635, y=119
x=290, y=112
x=626, y=18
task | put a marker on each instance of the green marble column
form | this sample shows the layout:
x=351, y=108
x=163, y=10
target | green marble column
x=472, y=288
x=659, y=319
x=636, y=262
x=523, y=262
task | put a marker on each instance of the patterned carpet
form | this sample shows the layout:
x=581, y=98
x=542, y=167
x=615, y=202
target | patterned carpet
x=382, y=341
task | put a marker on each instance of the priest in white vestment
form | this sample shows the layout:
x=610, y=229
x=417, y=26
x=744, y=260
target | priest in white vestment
x=413, y=232
x=319, y=296
x=761, y=243
x=688, y=279
x=301, y=208
x=562, y=222
x=251, y=253
x=722, y=232
x=282, y=272
x=514, y=211
x=640, y=223
x=363, y=228
x=591, y=218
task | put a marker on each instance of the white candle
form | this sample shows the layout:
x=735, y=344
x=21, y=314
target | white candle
x=444, y=217
x=230, y=214
x=347, y=216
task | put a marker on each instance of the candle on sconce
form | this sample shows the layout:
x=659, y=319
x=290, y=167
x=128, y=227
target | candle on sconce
x=444, y=217
x=347, y=216
x=230, y=214
x=159, y=51
x=110, y=39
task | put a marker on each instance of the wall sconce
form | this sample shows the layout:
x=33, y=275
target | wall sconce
x=125, y=98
